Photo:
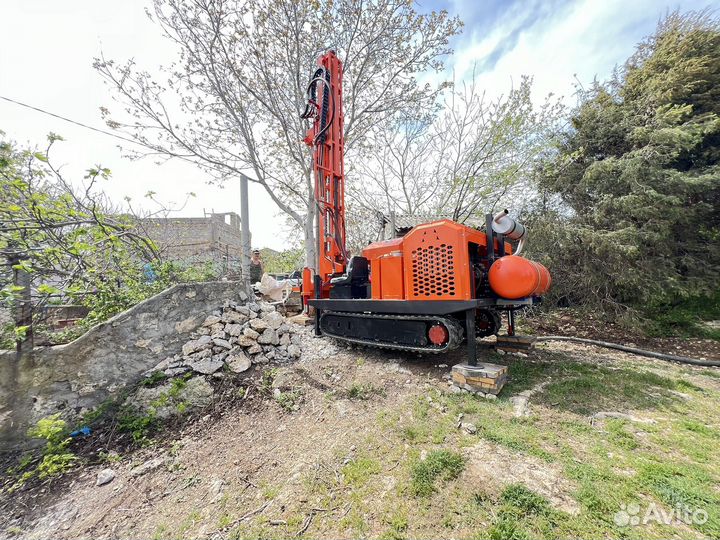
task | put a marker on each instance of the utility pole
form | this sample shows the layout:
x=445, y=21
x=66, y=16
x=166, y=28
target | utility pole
x=245, y=238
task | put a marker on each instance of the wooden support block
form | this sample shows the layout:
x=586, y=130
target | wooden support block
x=483, y=378
x=515, y=343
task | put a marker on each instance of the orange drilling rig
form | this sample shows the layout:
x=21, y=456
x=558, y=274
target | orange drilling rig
x=440, y=285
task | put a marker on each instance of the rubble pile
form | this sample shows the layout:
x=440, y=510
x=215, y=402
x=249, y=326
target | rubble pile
x=237, y=336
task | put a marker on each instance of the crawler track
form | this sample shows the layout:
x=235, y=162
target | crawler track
x=409, y=332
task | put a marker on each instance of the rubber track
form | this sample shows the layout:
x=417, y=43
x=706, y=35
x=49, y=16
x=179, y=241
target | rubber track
x=454, y=329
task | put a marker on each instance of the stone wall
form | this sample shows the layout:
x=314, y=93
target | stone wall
x=79, y=375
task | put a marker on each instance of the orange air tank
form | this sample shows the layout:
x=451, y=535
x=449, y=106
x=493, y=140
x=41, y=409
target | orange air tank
x=515, y=277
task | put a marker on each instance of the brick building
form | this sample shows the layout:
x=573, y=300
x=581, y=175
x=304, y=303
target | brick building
x=213, y=237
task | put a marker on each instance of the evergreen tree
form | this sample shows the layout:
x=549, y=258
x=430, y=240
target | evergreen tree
x=638, y=175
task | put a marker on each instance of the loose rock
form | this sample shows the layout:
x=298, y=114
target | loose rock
x=259, y=324
x=238, y=362
x=195, y=345
x=105, y=477
x=206, y=367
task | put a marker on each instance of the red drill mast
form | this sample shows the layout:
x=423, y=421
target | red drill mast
x=326, y=139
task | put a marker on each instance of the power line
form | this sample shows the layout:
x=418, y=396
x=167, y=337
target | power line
x=43, y=111
x=108, y=133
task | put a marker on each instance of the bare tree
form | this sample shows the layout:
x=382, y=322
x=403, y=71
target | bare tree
x=232, y=102
x=475, y=153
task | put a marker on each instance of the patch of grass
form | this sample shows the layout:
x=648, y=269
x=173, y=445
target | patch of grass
x=139, y=425
x=269, y=492
x=509, y=439
x=506, y=527
x=699, y=428
x=585, y=389
x=397, y=527
x=363, y=391
x=358, y=471
x=154, y=379
x=619, y=435
x=289, y=400
x=526, y=501
x=685, y=317
x=439, y=464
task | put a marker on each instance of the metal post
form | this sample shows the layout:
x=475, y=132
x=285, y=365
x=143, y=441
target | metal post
x=511, y=322
x=318, y=291
x=245, y=232
x=471, y=339
x=489, y=234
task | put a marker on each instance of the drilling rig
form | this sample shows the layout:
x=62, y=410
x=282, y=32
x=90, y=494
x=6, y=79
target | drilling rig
x=440, y=285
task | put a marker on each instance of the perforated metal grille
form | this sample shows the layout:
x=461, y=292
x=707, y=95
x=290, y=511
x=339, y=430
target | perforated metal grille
x=433, y=271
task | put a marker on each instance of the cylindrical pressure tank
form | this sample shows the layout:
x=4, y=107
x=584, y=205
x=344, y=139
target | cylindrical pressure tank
x=510, y=228
x=505, y=225
x=515, y=277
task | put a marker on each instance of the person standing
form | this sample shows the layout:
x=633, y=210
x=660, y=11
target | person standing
x=256, y=267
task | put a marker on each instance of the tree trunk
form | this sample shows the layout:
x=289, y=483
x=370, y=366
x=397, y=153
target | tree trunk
x=310, y=238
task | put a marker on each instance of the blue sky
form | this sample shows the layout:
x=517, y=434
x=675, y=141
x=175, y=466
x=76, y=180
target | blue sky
x=47, y=46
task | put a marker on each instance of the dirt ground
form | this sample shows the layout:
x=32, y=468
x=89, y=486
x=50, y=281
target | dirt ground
x=567, y=322
x=328, y=450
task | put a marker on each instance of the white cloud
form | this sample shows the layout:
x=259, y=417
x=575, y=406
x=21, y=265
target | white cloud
x=585, y=39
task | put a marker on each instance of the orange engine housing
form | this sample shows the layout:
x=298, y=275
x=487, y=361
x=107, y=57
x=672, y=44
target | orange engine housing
x=434, y=261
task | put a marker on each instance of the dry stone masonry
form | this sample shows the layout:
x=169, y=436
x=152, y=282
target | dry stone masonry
x=237, y=336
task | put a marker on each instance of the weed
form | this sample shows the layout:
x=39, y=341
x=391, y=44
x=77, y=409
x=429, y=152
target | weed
x=91, y=416
x=526, y=501
x=505, y=528
x=288, y=400
x=358, y=471
x=442, y=464
x=266, y=382
x=270, y=492
x=137, y=424
x=152, y=380
x=363, y=391
x=177, y=385
x=398, y=526
x=56, y=458
x=109, y=457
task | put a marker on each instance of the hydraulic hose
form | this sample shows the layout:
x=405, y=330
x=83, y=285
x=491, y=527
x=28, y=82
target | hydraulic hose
x=633, y=350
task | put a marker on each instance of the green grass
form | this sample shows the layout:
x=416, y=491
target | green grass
x=358, y=471
x=363, y=391
x=438, y=465
x=685, y=317
x=387, y=491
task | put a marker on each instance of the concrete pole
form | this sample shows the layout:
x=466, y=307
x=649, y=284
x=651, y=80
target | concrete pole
x=245, y=236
